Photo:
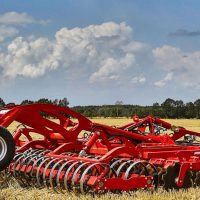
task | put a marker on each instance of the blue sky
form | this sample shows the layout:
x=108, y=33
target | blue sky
x=98, y=52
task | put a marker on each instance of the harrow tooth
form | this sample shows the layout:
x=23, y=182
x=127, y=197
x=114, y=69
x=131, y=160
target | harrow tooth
x=27, y=170
x=21, y=172
x=68, y=175
x=35, y=165
x=38, y=175
x=77, y=175
x=30, y=163
x=136, y=168
x=52, y=174
x=17, y=155
x=123, y=167
x=16, y=165
x=60, y=177
x=46, y=172
x=20, y=161
x=11, y=166
x=115, y=165
x=91, y=170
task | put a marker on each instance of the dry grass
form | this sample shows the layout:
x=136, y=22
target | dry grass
x=36, y=194
x=16, y=193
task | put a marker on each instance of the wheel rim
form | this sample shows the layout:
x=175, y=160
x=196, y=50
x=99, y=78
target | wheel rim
x=3, y=148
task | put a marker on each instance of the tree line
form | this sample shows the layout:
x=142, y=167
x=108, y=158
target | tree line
x=170, y=108
x=61, y=102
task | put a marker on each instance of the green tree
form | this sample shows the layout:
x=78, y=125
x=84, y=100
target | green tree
x=180, y=109
x=190, y=110
x=197, y=108
x=168, y=106
x=55, y=101
x=64, y=102
x=44, y=100
x=27, y=102
x=2, y=103
x=118, y=105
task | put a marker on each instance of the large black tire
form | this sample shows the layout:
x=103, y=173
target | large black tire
x=7, y=148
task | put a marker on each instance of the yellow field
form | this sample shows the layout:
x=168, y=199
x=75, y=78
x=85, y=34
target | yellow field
x=33, y=193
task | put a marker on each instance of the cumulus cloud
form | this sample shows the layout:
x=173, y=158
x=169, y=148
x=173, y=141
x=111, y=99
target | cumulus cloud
x=169, y=57
x=14, y=18
x=27, y=58
x=111, y=67
x=138, y=80
x=6, y=32
x=162, y=83
x=185, y=66
x=100, y=52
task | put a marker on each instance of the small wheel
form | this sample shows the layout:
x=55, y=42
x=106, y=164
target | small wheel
x=7, y=148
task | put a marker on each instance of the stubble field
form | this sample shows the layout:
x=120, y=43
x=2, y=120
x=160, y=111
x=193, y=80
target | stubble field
x=16, y=192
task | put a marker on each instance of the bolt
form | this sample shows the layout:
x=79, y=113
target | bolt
x=100, y=184
x=98, y=132
x=176, y=180
x=149, y=182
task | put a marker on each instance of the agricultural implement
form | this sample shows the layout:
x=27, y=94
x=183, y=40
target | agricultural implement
x=60, y=149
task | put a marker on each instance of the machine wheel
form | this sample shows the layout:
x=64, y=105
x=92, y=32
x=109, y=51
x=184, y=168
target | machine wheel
x=7, y=148
x=169, y=178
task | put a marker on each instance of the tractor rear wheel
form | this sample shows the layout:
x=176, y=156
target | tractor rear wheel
x=7, y=148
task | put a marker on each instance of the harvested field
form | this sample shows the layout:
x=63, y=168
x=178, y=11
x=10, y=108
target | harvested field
x=36, y=194
x=15, y=192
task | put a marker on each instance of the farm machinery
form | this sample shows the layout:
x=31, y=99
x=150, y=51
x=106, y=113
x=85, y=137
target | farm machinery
x=59, y=148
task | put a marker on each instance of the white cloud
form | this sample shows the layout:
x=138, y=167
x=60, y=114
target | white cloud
x=97, y=52
x=138, y=80
x=163, y=82
x=6, y=32
x=14, y=18
x=169, y=58
x=134, y=47
x=111, y=67
x=27, y=58
x=185, y=66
